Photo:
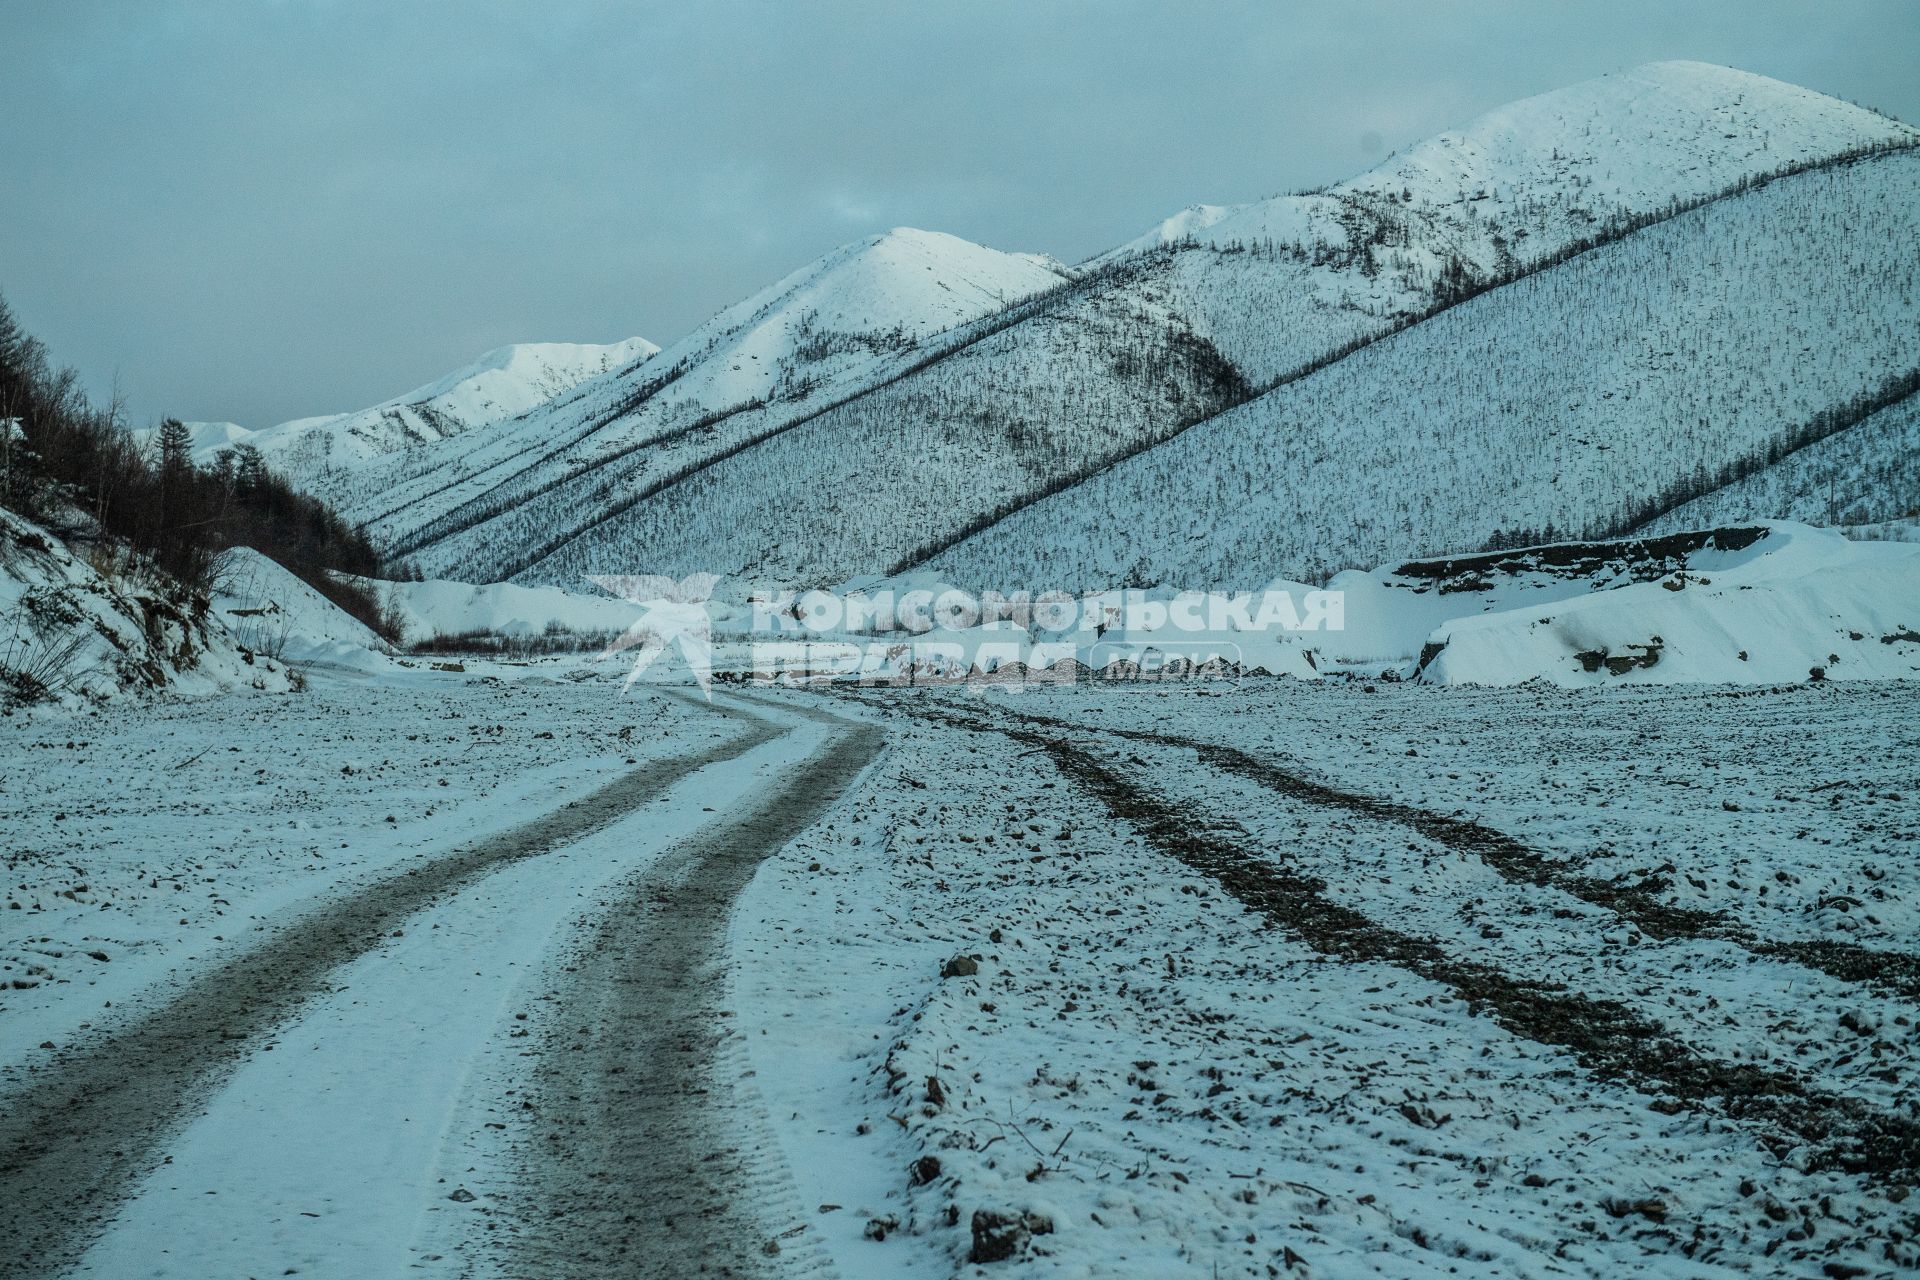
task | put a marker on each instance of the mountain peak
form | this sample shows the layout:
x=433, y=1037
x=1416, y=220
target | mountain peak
x=903, y=281
x=1634, y=139
x=1680, y=127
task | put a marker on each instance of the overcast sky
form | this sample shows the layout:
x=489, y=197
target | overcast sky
x=260, y=210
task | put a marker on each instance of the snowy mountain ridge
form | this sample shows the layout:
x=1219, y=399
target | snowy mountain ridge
x=1571, y=400
x=1025, y=405
x=322, y=453
x=1666, y=131
x=902, y=395
x=840, y=322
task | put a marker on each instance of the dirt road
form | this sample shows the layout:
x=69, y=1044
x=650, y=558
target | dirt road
x=640, y=1160
x=78, y=1135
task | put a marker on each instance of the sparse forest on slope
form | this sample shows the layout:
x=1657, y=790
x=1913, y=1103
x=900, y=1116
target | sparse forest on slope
x=782, y=354
x=74, y=469
x=1183, y=325
x=1676, y=359
x=1868, y=473
x=1278, y=283
x=833, y=497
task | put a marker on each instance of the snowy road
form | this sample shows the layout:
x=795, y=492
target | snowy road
x=636, y=1162
x=1286, y=979
x=360, y=1034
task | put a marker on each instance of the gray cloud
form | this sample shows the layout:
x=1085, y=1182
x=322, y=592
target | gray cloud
x=257, y=211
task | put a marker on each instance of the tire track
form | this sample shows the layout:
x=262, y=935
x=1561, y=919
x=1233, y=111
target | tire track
x=1607, y=1037
x=1893, y=971
x=76, y=1137
x=643, y=1159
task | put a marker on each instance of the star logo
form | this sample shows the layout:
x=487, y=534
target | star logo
x=671, y=613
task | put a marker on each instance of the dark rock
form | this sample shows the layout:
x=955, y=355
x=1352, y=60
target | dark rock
x=998, y=1236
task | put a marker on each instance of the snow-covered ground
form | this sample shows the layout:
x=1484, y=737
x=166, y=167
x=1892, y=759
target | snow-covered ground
x=176, y=831
x=1176, y=1084
x=1284, y=977
x=383, y=1099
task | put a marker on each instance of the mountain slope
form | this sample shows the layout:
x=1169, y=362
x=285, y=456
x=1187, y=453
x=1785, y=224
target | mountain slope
x=1150, y=340
x=325, y=454
x=1868, y=473
x=1567, y=401
x=840, y=322
x=1510, y=189
x=859, y=441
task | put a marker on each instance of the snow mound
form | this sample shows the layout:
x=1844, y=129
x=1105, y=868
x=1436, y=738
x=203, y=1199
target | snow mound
x=1794, y=604
x=72, y=634
x=442, y=609
x=270, y=611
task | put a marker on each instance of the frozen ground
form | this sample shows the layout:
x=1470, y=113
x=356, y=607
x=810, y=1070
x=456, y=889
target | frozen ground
x=170, y=832
x=1223, y=1028
x=1291, y=979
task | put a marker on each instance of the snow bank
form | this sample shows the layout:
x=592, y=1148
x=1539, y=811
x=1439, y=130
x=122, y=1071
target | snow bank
x=73, y=633
x=443, y=608
x=271, y=611
x=1799, y=604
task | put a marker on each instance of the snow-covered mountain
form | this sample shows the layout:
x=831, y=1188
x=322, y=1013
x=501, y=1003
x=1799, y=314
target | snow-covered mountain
x=1576, y=401
x=1277, y=283
x=1279, y=387
x=855, y=317
x=206, y=439
x=1864, y=475
x=325, y=453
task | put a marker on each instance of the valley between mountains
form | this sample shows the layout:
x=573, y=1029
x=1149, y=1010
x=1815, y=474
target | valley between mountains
x=529, y=849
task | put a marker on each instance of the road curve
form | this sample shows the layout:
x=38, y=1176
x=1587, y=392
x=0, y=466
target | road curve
x=76, y=1136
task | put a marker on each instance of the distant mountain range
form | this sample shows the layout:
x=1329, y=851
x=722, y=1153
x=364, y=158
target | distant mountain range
x=1584, y=313
x=328, y=452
